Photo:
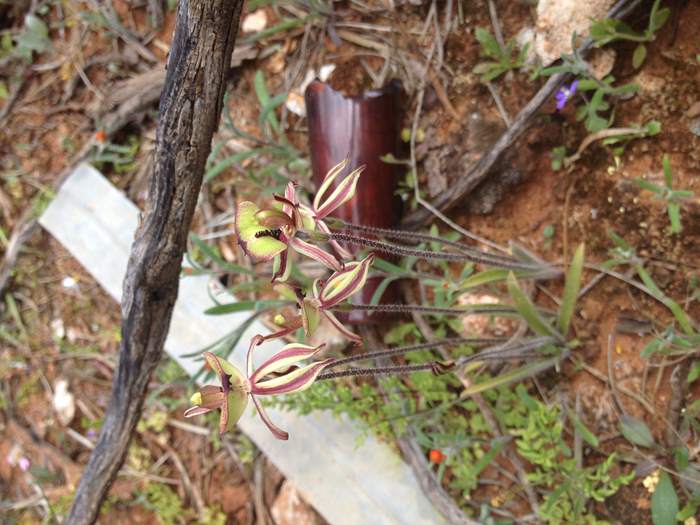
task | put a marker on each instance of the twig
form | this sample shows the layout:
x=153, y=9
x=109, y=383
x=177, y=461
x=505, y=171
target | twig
x=679, y=389
x=496, y=25
x=190, y=109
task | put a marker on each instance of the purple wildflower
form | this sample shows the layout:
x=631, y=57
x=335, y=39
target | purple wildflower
x=564, y=94
x=23, y=463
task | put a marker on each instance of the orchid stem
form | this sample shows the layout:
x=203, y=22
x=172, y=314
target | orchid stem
x=418, y=237
x=434, y=366
x=411, y=308
x=389, y=352
x=405, y=251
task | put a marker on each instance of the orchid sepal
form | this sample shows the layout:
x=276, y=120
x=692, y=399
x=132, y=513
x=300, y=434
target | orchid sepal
x=342, y=194
x=283, y=359
x=345, y=283
x=296, y=380
x=315, y=253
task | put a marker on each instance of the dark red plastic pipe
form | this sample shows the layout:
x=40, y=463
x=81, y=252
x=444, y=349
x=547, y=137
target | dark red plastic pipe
x=363, y=129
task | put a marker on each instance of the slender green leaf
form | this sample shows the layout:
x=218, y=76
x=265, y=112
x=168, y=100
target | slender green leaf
x=588, y=436
x=518, y=374
x=242, y=306
x=571, y=289
x=526, y=309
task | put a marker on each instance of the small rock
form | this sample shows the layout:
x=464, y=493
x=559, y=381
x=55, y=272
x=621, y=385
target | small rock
x=695, y=127
x=57, y=329
x=602, y=61
x=63, y=402
x=290, y=509
x=694, y=110
x=254, y=22
x=557, y=20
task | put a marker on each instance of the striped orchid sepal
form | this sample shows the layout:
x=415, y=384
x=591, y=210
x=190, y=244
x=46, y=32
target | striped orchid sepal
x=282, y=374
x=326, y=202
x=231, y=397
x=345, y=283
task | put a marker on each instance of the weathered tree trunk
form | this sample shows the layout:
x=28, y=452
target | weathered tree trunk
x=190, y=108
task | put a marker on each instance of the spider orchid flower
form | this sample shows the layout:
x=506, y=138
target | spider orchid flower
x=339, y=287
x=268, y=234
x=280, y=374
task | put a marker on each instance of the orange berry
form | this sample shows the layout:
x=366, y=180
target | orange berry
x=436, y=456
x=100, y=136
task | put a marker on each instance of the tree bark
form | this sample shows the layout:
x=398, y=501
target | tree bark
x=190, y=108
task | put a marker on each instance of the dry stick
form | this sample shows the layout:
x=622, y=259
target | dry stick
x=476, y=174
x=679, y=390
x=189, y=113
x=416, y=460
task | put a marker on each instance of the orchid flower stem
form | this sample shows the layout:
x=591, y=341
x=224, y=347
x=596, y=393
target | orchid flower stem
x=406, y=251
x=417, y=308
x=380, y=371
x=418, y=237
x=389, y=352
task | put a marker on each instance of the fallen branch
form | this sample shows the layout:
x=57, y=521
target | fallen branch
x=190, y=108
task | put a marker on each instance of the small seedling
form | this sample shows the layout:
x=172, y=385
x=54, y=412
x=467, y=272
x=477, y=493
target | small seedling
x=610, y=30
x=673, y=198
x=503, y=59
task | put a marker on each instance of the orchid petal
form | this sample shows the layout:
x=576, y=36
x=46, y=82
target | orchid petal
x=342, y=194
x=328, y=180
x=235, y=406
x=341, y=328
x=234, y=389
x=273, y=219
x=287, y=356
x=345, y=283
x=281, y=268
x=253, y=236
x=310, y=315
x=196, y=411
x=255, y=341
x=276, y=431
x=297, y=380
x=342, y=252
x=316, y=253
x=228, y=374
x=308, y=220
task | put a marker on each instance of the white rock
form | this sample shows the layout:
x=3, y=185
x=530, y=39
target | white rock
x=63, y=402
x=557, y=20
x=254, y=22
x=57, y=329
x=290, y=509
